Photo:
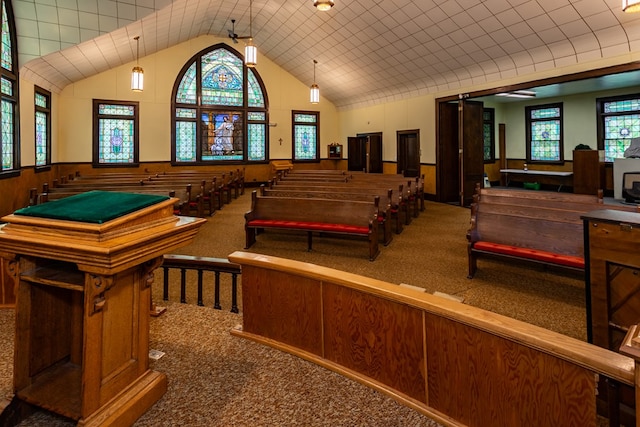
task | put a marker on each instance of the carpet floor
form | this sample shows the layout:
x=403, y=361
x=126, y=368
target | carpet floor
x=216, y=379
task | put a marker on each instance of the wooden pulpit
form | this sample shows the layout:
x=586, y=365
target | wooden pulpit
x=83, y=269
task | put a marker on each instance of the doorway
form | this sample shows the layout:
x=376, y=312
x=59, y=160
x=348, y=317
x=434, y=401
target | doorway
x=408, y=149
x=364, y=153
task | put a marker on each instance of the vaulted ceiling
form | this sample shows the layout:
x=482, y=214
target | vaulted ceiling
x=367, y=51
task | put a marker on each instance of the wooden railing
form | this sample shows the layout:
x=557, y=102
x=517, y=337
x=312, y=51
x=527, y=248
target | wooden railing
x=457, y=364
x=218, y=266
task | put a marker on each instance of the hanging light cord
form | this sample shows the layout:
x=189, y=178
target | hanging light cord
x=137, y=38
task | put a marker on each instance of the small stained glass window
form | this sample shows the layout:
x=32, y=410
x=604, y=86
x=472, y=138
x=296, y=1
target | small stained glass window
x=42, y=127
x=115, y=133
x=305, y=136
x=544, y=133
x=620, y=123
x=9, y=88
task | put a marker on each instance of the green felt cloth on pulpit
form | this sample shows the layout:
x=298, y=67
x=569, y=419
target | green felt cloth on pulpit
x=93, y=206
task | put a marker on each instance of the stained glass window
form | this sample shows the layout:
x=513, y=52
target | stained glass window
x=544, y=133
x=305, y=135
x=620, y=122
x=6, y=55
x=220, y=111
x=115, y=133
x=43, y=127
x=9, y=90
x=489, y=134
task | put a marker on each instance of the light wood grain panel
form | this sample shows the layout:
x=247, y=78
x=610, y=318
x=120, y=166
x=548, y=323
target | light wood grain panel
x=381, y=339
x=282, y=307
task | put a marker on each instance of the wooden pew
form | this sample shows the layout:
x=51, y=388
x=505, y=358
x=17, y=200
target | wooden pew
x=343, y=217
x=537, y=226
x=399, y=207
x=384, y=210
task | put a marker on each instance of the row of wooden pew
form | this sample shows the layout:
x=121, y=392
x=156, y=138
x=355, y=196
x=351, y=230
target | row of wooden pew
x=336, y=202
x=197, y=193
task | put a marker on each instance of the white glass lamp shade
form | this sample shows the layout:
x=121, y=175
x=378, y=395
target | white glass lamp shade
x=137, y=79
x=314, y=94
x=631, y=5
x=323, y=5
x=250, y=54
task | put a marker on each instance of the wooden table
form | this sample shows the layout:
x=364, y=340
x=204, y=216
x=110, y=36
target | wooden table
x=558, y=178
x=82, y=311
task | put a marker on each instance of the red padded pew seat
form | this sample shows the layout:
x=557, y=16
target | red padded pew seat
x=534, y=254
x=306, y=225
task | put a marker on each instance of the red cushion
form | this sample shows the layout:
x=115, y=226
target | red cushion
x=308, y=225
x=538, y=255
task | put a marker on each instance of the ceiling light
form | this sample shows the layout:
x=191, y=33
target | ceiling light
x=314, y=95
x=518, y=94
x=137, y=74
x=250, y=51
x=324, y=5
x=631, y=5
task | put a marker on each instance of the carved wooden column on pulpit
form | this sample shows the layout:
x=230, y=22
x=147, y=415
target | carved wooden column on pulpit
x=83, y=291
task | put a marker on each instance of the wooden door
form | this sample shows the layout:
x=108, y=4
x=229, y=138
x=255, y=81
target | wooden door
x=375, y=153
x=357, y=153
x=470, y=148
x=447, y=166
x=408, y=149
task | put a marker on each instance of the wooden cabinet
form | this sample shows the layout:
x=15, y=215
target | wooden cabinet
x=588, y=172
x=334, y=151
x=82, y=312
x=612, y=263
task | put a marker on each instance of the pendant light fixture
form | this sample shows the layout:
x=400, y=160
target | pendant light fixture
x=323, y=5
x=250, y=51
x=631, y=5
x=137, y=74
x=314, y=94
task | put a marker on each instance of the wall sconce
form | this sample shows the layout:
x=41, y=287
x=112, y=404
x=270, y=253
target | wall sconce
x=137, y=74
x=631, y=5
x=314, y=94
x=323, y=5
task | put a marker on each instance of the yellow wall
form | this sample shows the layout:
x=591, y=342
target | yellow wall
x=73, y=112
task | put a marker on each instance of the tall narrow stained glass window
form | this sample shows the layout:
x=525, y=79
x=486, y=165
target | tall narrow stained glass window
x=8, y=92
x=619, y=123
x=305, y=135
x=115, y=132
x=42, y=126
x=489, y=134
x=219, y=110
x=544, y=133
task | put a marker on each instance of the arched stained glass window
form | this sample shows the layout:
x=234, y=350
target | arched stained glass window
x=220, y=110
x=8, y=93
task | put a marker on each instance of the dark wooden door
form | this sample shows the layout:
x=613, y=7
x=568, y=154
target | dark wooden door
x=375, y=153
x=408, y=149
x=357, y=153
x=471, y=148
x=447, y=162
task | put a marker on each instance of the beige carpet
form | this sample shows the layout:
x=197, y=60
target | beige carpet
x=216, y=379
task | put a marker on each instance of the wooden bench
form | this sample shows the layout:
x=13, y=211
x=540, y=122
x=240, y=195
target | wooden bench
x=343, y=217
x=399, y=206
x=537, y=226
x=384, y=209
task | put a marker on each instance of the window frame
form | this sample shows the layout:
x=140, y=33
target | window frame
x=315, y=124
x=13, y=77
x=529, y=121
x=47, y=112
x=245, y=110
x=96, y=130
x=492, y=135
x=601, y=115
